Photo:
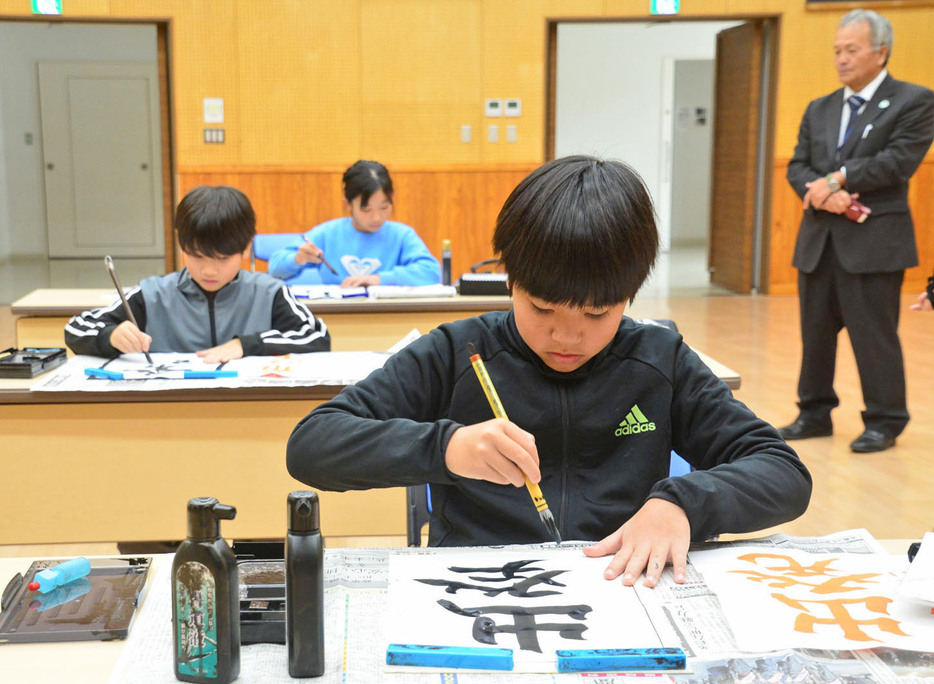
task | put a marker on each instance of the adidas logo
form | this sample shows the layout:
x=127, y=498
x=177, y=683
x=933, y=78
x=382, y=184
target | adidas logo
x=635, y=423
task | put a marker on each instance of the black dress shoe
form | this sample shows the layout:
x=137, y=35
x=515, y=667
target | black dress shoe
x=805, y=427
x=871, y=441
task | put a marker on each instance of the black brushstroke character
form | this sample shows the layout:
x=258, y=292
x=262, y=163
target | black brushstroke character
x=509, y=571
x=524, y=625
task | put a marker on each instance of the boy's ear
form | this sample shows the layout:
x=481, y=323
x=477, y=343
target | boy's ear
x=345, y=205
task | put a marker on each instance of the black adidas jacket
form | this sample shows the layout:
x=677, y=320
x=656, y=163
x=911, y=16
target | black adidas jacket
x=393, y=428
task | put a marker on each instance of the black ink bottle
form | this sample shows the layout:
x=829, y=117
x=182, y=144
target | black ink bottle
x=304, y=587
x=445, y=262
x=206, y=598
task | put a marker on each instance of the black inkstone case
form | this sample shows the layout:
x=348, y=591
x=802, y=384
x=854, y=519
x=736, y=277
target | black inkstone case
x=30, y=362
x=97, y=607
x=261, y=566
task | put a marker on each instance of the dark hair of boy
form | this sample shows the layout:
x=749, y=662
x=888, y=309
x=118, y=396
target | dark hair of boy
x=364, y=178
x=579, y=231
x=215, y=221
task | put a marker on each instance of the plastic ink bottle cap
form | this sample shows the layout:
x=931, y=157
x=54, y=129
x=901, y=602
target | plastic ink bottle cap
x=204, y=516
x=303, y=512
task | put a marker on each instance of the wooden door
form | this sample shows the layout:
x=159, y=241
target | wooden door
x=733, y=193
x=103, y=159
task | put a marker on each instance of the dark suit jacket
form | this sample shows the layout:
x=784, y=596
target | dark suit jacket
x=889, y=140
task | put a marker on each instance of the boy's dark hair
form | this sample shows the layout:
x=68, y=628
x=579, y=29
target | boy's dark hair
x=215, y=221
x=578, y=231
x=364, y=178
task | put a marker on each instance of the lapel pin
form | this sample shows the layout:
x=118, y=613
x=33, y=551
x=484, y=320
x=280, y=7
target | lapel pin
x=884, y=104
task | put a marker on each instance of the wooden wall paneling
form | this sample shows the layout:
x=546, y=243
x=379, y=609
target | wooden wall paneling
x=921, y=199
x=300, y=65
x=166, y=101
x=205, y=52
x=323, y=191
x=221, y=48
x=805, y=69
x=418, y=203
x=278, y=200
x=513, y=66
x=460, y=204
x=420, y=80
x=786, y=217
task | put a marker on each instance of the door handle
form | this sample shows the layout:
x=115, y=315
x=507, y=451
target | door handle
x=144, y=166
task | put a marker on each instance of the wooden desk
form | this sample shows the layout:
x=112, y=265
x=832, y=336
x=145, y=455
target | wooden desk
x=81, y=468
x=356, y=324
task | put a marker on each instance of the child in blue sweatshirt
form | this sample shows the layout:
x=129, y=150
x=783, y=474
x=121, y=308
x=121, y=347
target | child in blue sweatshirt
x=365, y=248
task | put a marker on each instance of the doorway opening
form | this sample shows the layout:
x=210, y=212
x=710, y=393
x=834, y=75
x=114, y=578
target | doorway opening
x=33, y=177
x=687, y=103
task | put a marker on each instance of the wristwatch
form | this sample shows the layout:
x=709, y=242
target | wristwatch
x=832, y=183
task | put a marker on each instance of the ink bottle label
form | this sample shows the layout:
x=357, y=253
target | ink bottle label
x=196, y=620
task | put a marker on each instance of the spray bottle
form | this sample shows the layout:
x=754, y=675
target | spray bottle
x=304, y=587
x=206, y=598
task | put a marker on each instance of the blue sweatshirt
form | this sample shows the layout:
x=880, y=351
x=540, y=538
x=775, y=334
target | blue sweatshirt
x=395, y=252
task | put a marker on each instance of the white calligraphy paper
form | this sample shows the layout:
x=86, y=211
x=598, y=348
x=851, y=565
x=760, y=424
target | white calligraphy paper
x=531, y=601
x=290, y=370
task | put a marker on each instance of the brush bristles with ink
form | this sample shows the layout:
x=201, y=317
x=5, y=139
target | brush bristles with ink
x=544, y=513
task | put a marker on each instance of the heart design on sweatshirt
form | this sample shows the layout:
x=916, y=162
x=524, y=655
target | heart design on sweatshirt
x=357, y=266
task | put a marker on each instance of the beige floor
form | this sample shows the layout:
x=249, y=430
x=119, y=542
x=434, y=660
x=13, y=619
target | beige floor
x=888, y=493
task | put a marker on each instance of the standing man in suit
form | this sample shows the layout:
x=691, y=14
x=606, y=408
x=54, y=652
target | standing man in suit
x=863, y=141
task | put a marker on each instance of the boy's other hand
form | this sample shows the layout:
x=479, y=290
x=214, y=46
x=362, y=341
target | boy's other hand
x=223, y=352
x=923, y=303
x=129, y=339
x=497, y=451
x=659, y=531
x=308, y=253
x=361, y=280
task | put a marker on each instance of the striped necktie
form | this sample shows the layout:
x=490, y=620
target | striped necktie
x=855, y=102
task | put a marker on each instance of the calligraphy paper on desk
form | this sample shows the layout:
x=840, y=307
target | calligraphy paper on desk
x=533, y=601
x=777, y=599
x=289, y=370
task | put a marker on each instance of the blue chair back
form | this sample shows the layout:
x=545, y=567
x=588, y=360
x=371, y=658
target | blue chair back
x=264, y=244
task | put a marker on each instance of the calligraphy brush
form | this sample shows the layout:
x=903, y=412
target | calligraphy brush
x=126, y=306
x=547, y=517
x=323, y=260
